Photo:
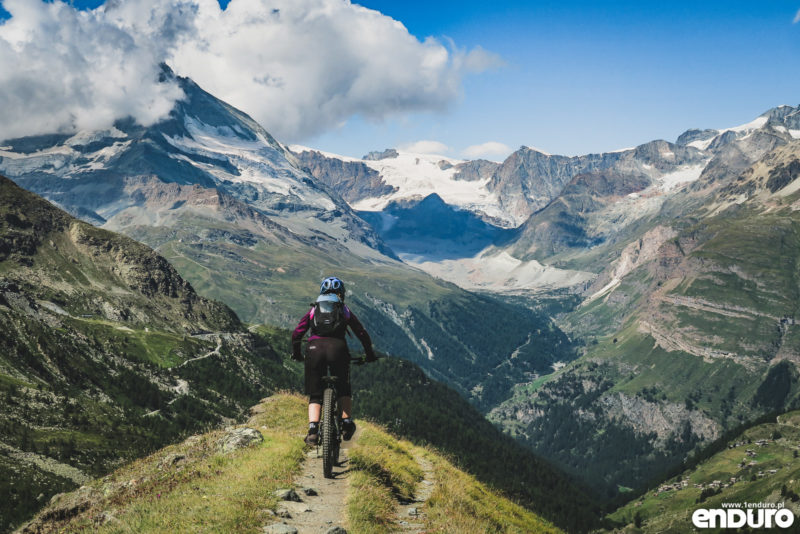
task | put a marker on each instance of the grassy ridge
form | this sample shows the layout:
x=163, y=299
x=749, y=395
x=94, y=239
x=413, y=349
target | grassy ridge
x=399, y=395
x=195, y=487
x=192, y=486
x=386, y=466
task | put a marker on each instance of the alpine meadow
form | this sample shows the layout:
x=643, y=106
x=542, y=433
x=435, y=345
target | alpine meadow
x=601, y=340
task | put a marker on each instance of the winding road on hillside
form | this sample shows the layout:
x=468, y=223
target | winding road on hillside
x=204, y=356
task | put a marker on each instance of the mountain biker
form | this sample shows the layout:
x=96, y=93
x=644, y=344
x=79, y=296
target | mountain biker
x=327, y=347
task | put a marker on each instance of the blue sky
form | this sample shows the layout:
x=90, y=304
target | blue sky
x=592, y=76
x=583, y=77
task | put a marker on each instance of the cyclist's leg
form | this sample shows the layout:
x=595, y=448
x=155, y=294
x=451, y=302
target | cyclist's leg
x=346, y=403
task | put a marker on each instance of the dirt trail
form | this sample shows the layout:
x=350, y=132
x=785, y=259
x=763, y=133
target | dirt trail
x=321, y=512
x=204, y=356
x=411, y=514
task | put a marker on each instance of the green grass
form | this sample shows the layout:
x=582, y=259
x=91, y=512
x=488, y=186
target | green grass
x=370, y=506
x=12, y=381
x=164, y=349
x=461, y=504
x=385, y=467
x=207, y=491
x=389, y=459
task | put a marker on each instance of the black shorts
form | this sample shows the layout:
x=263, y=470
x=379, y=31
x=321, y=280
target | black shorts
x=322, y=353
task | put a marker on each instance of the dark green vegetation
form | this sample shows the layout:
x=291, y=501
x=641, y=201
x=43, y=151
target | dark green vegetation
x=756, y=465
x=615, y=455
x=485, y=330
x=97, y=354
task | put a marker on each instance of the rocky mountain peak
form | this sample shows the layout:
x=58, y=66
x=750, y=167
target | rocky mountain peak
x=378, y=155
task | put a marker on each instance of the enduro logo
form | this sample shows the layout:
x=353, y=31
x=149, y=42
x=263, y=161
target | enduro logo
x=753, y=515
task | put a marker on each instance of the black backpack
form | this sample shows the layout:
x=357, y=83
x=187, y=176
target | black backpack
x=329, y=319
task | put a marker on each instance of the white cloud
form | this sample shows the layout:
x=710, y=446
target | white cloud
x=299, y=67
x=425, y=147
x=796, y=17
x=63, y=69
x=487, y=150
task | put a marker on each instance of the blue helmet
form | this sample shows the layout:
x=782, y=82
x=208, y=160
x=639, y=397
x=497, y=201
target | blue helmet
x=332, y=285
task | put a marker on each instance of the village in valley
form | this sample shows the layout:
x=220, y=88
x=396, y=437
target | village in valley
x=714, y=487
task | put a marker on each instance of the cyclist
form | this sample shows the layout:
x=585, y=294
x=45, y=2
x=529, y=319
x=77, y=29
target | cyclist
x=328, y=320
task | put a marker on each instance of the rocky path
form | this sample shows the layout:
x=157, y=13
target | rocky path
x=318, y=503
x=412, y=513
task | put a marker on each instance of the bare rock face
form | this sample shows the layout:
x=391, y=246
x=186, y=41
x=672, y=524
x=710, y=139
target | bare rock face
x=662, y=418
x=239, y=438
x=475, y=170
x=386, y=154
x=352, y=180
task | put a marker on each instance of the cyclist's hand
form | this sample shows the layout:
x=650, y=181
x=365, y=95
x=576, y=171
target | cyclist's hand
x=297, y=356
x=371, y=357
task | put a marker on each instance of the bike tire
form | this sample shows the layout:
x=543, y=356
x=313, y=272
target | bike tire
x=337, y=446
x=328, y=433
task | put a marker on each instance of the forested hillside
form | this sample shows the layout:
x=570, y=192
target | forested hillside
x=107, y=354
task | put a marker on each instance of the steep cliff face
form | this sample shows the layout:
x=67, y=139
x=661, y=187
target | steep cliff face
x=351, y=180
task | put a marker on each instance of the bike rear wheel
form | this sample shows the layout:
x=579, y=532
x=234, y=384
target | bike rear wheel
x=330, y=447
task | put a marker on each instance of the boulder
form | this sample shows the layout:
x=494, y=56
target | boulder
x=287, y=495
x=239, y=438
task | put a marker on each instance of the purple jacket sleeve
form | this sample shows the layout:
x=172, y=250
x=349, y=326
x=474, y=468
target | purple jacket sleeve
x=300, y=331
x=362, y=335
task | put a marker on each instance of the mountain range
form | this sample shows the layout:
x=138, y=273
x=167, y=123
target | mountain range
x=237, y=215
x=672, y=264
x=613, y=312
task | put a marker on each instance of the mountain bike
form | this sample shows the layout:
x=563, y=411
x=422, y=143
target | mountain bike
x=331, y=423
